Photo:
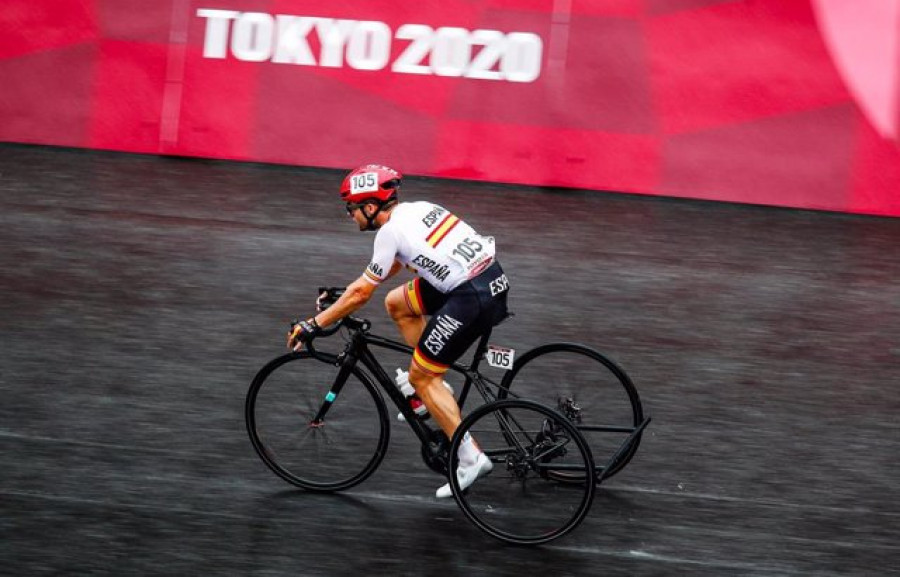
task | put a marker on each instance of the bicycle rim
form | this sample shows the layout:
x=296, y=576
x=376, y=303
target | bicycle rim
x=337, y=453
x=520, y=501
x=597, y=396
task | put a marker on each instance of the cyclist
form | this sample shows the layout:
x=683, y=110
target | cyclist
x=459, y=284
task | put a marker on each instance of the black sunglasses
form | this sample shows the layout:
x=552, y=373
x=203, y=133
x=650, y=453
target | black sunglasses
x=351, y=206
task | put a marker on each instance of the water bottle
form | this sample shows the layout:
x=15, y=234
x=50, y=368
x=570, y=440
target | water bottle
x=409, y=392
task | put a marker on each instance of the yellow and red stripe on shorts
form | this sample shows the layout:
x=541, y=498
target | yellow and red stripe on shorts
x=427, y=365
x=414, y=297
x=442, y=230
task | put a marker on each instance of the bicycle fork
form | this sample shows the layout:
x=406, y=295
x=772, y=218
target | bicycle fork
x=332, y=395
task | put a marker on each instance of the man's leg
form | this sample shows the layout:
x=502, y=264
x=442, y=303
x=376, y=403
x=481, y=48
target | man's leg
x=473, y=463
x=437, y=398
x=405, y=306
x=410, y=322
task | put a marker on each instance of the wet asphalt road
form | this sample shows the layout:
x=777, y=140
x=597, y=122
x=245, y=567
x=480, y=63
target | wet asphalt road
x=139, y=296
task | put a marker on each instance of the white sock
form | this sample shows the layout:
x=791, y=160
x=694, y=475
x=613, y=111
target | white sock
x=468, y=452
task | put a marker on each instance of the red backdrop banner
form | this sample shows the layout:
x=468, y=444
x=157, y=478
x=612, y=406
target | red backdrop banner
x=779, y=102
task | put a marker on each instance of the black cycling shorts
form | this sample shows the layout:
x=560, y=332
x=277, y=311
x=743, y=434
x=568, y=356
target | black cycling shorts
x=458, y=317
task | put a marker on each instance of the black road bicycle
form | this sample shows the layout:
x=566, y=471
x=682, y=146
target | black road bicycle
x=320, y=422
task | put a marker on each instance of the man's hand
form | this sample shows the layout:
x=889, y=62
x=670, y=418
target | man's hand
x=302, y=332
x=328, y=296
x=321, y=302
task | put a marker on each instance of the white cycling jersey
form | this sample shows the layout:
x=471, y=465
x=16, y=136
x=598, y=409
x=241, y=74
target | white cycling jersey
x=433, y=242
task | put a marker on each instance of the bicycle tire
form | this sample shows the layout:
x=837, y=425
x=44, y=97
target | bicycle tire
x=605, y=393
x=281, y=403
x=518, y=502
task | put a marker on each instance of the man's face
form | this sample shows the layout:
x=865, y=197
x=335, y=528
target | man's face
x=356, y=213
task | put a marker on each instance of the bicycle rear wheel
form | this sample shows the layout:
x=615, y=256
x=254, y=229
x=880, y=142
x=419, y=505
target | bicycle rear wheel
x=335, y=454
x=520, y=502
x=595, y=394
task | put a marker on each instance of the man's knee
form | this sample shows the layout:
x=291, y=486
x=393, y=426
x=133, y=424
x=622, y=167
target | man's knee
x=421, y=379
x=396, y=305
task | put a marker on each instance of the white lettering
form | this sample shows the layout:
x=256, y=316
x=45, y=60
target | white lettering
x=333, y=34
x=251, y=39
x=292, y=46
x=451, y=53
x=521, y=61
x=444, y=328
x=215, y=43
x=369, y=47
x=499, y=284
x=484, y=65
x=410, y=59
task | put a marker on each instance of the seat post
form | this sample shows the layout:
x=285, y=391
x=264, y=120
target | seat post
x=481, y=348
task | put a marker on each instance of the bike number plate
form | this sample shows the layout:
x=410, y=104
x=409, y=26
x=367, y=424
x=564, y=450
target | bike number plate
x=500, y=357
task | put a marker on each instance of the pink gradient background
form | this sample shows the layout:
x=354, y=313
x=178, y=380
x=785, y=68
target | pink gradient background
x=779, y=102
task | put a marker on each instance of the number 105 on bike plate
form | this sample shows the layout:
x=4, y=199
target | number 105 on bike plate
x=500, y=357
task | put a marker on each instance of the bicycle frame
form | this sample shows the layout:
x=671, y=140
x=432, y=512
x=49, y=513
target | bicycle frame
x=434, y=443
x=358, y=351
x=526, y=439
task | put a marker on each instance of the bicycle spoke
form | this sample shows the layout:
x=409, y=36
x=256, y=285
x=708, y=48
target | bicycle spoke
x=336, y=453
x=590, y=390
x=518, y=502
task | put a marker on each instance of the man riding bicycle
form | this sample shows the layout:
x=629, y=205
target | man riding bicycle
x=459, y=284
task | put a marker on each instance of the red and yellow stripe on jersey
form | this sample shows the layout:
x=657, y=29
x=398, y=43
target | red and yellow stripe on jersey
x=371, y=277
x=442, y=230
x=414, y=298
x=427, y=365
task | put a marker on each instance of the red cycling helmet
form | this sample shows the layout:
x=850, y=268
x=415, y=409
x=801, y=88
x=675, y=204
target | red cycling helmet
x=371, y=182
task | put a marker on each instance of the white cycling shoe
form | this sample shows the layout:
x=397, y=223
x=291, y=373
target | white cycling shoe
x=467, y=475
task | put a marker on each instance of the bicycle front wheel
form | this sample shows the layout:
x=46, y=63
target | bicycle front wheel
x=333, y=453
x=520, y=501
